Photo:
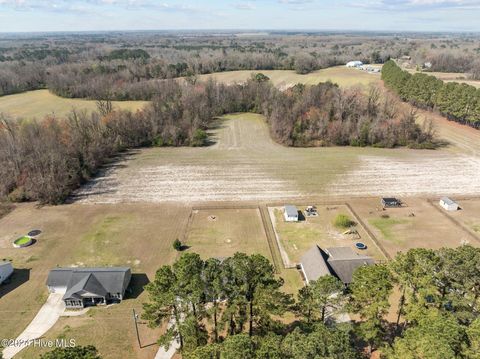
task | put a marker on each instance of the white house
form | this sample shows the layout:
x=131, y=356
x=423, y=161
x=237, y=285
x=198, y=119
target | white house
x=6, y=270
x=290, y=213
x=449, y=204
x=354, y=64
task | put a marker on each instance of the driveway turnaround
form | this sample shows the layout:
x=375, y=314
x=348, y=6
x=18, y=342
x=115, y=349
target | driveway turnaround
x=46, y=317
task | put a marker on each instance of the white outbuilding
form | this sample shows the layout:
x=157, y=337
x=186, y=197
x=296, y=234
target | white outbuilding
x=356, y=64
x=290, y=213
x=6, y=270
x=449, y=204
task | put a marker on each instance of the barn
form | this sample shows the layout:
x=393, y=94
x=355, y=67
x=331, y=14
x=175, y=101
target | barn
x=449, y=204
x=6, y=270
x=354, y=64
x=290, y=213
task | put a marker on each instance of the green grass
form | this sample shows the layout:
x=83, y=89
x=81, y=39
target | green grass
x=343, y=221
x=385, y=226
x=40, y=103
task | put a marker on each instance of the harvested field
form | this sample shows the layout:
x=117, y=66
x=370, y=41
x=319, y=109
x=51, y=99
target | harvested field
x=345, y=77
x=245, y=164
x=222, y=232
x=40, y=103
x=417, y=224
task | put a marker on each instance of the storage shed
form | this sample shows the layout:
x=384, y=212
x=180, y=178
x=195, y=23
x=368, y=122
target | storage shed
x=449, y=204
x=290, y=213
x=390, y=202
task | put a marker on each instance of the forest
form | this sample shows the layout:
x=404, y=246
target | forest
x=48, y=159
x=234, y=308
x=128, y=66
x=458, y=102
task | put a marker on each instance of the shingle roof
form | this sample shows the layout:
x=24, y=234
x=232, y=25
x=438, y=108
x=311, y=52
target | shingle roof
x=92, y=280
x=338, y=261
x=291, y=211
x=314, y=264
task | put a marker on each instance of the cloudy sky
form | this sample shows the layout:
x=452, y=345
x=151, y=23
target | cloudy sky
x=91, y=15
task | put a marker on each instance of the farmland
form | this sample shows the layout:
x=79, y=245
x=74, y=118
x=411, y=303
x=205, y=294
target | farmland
x=345, y=77
x=40, y=103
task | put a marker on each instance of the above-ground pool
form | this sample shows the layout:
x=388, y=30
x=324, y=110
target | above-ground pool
x=21, y=242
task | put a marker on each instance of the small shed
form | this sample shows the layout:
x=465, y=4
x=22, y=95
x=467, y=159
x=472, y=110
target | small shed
x=6, y=270
x=290, y=213
x=449, y=204
x=354, y=64
x=391, y=202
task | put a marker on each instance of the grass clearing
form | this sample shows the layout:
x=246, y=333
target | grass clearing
x=343, y=76
x=40, y=103
x=223, y=232
x=387, y=227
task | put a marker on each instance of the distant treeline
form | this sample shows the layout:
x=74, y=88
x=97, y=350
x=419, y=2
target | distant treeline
x=46, y=160
x=458, y=101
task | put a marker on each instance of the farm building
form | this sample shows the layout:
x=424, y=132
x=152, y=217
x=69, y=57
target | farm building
x=89, y=286
x=337, y=261
x=6, y=270
x=354, y=64
x=290, y=213
x=390, y=202
x=449, y=204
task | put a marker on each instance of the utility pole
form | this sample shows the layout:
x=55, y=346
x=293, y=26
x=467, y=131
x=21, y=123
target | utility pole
x=135, y=317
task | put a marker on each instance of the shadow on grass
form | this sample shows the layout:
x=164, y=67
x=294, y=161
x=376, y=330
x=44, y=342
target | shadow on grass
x=18, y=278
x=137, y=284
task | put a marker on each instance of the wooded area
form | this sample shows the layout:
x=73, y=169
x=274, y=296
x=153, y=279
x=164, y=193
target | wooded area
x=459, y=102
x=46, y=160
x=235, y=308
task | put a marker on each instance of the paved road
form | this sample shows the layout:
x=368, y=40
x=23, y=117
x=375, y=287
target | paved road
x=46, y=317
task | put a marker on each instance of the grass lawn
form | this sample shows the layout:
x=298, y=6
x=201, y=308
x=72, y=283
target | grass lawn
x=40, y=103
x=22, y=240
x=222, y=232
x=299, y=237
x=387, y=227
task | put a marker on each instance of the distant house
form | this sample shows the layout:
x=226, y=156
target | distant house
x=6, y=270
x=449, y=204
x=390, y=202
x=89, y=286
x=406, y=58
x=340, y=262
x=354, y=64
x=290, y=213
x=427, y=65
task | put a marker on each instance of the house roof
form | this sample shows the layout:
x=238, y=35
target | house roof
x=448, y=201
x=338, y=261
x=5, y=264
x=314, y=264
x=96, y=281
x=291, y=211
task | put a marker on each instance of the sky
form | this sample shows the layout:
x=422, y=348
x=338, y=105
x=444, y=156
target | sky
x=368, y=15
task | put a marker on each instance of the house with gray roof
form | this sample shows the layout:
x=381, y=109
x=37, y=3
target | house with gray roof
x=89, y=286
x=340, y=262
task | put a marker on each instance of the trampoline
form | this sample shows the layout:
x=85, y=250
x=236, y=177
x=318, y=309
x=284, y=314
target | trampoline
x=360, y=245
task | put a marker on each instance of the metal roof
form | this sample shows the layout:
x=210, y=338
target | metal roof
x=448, y=201
x=291, y=211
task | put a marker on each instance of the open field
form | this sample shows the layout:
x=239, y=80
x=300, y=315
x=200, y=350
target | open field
x=298, y=237
x=245, y=164
x=417, y=224
x=450, y=77
x=40, y=103
x=469, y=215
x=343, y=76
x=139, y=236
x=222, y=232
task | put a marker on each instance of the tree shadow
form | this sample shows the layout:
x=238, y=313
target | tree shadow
x=137, y=284
x=18, y=278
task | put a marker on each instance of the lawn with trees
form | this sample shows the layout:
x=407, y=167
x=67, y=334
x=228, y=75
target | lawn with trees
x=236, y=308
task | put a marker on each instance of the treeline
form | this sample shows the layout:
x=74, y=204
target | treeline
x=236, y=308
x=458, y=102
x=45, y=160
